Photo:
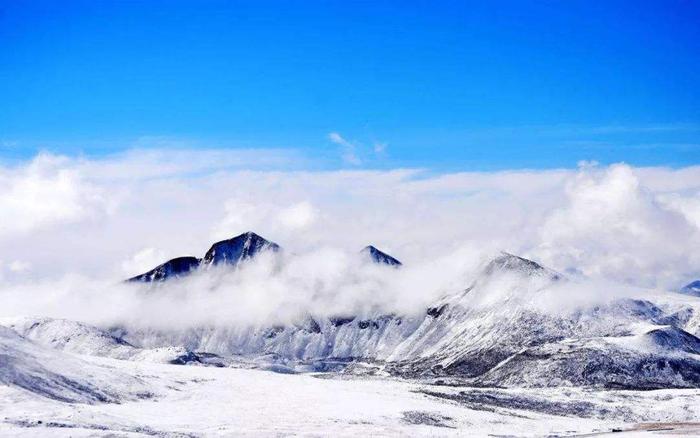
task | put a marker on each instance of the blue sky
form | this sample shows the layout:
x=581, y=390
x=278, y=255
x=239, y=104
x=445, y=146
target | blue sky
x=449, y=85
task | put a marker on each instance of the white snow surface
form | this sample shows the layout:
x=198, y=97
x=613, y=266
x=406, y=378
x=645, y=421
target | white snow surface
x=61, y=376
x=206, y=401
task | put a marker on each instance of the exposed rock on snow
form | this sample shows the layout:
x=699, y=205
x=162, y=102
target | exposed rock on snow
x=229, y=252
x=238, y=249
x=378, y=256
x=171, y=269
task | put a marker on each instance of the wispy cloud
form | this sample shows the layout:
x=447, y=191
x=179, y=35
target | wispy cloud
x=380, y=148
x=348, y=149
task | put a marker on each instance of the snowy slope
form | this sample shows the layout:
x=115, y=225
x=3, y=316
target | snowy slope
x=494, y=335
x=61, y=376
x=498, y=331
x=71, y=336
x=79, y=338
x=198, y=401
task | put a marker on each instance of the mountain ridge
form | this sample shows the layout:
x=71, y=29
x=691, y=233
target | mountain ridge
x=381, y=257
x=231, y=252
x=489, y=334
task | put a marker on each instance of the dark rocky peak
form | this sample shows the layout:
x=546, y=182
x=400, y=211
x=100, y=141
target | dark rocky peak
x=380, y=257
x=176, y=267
x=691, y=289
x=242, y=247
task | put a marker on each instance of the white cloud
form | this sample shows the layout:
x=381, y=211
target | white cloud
x=46, y=192
x=239, y=217
x=142, y=261
x=348, y=149
x=19, y=266
x=82, y=225
x=614, y=227
x=297, y=216
x=105, y=217
x=265, y=217
x=336, y=138
x=688, y=206
x=380, y=147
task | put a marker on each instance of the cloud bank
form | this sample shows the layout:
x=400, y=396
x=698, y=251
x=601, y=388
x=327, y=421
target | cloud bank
x=75, y=224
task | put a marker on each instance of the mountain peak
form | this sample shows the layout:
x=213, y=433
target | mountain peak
x=507, y=262
x=238, y=248
x=172, y=268
x=378, y=256
x=691, y=288
x=232, y=251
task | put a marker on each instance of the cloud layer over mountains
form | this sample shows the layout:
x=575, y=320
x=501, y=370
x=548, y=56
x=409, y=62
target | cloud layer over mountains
x=76, y=223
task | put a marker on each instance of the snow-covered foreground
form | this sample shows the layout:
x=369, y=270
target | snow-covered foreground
x=510, y=355
x=209, y=401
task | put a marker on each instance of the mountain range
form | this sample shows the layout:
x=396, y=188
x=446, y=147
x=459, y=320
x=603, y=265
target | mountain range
x=232, y=252
x=498, y=330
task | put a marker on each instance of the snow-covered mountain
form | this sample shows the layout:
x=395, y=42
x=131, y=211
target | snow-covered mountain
x=691, y=288
x=501, y=330
x=176, y=267
x=230, y=252
x=238, y=249
x=84, y=339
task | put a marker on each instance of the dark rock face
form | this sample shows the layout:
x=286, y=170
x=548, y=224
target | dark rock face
x=310, y=325
x=202, y=358
x=237, y=249
x=673, y=338
x=691, y=288
x=337, y=321
x=380, y=257
x=172, y=268
x=436, y=311
x=230, y=252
